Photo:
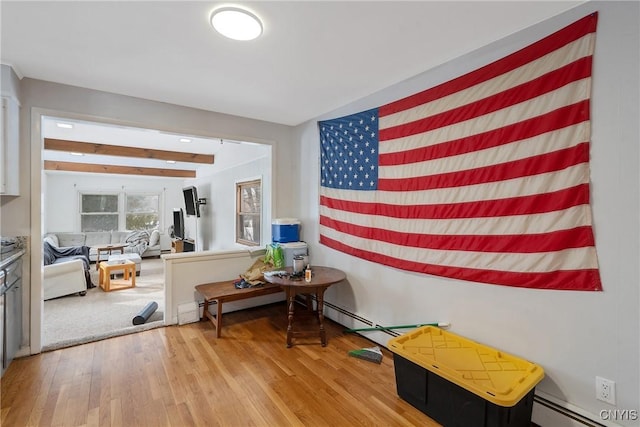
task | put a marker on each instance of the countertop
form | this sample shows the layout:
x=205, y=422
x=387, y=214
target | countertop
x=9, y=257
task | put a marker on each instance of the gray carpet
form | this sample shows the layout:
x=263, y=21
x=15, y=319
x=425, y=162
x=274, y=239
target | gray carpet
x=74, y=319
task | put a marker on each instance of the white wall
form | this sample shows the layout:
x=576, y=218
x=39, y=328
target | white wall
x=61, y=197
x=216, y=226
x=575, y=336
x=184, y=271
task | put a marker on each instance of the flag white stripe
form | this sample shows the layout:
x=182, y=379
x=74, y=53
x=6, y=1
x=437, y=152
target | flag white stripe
x=557, y=95
x=520, y=75
x=522, y=149
x=568, y=259
x=547, y=222
x=517, y=187
x=562, y=97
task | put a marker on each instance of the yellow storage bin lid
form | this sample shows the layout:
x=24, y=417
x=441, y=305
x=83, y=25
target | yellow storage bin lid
x=494, y=375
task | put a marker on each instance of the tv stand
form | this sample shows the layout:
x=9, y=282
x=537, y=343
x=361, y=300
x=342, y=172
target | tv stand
x=185, y=245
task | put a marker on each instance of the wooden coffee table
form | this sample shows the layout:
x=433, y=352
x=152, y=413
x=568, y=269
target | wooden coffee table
x=108, y=268
x=108, y=249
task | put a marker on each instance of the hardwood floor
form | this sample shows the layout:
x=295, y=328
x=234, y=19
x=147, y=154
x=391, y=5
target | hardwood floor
x=184, y=376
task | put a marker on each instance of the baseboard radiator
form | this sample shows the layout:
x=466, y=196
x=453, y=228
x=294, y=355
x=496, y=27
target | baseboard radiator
x=576, y=417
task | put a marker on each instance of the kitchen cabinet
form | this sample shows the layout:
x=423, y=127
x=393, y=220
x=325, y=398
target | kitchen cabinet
x=9, y=147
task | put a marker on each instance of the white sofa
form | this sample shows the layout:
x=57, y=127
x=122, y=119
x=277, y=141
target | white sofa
x=93, y=239
x=64, y=278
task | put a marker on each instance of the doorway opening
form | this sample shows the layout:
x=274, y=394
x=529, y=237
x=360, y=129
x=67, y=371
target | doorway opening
x=66, y=175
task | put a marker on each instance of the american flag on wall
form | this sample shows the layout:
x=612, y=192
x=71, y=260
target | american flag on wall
x=483, y=178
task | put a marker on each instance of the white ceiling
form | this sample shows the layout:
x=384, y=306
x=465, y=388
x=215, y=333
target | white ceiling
x=312, y=58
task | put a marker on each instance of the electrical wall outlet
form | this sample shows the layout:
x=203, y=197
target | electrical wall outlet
x=606, y=390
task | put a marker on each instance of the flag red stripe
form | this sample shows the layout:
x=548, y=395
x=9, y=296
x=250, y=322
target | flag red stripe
x=523, y=205
x=558, y=78
x=587, y=279
x=548, y=162
x=558, y=119
x=517, y=243
x=530, y=53
x=434, y=168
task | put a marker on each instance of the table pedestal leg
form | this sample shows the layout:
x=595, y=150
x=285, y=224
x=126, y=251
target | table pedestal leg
x=319, y=307
x=291, y=296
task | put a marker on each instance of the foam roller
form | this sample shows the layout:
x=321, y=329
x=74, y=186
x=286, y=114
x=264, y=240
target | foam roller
x=145, y=313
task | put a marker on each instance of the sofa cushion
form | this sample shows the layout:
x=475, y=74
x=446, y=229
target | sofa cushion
x=119, y=237
x=98, y=238
x=71, y=239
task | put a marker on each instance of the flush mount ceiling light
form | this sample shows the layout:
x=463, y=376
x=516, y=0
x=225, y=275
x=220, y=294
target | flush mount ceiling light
x=236, y=23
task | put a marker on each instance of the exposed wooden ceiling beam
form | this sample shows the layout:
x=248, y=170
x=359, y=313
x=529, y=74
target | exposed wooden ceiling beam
x=123, y=170
x=117, y=150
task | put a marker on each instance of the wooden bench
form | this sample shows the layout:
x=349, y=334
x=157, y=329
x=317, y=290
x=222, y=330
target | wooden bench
x=221, y=292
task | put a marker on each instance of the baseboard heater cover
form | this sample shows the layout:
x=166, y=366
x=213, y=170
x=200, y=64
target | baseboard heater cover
x=188, y=313
x=573, y=415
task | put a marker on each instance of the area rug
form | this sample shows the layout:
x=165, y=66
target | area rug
x=73, y=319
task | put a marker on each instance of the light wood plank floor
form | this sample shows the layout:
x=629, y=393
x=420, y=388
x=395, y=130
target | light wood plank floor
x=184, y=376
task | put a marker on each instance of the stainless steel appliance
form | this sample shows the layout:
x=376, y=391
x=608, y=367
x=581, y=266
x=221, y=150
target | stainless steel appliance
x=3, y=291
x=10, y=311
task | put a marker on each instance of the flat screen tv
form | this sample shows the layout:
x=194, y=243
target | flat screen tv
x=191, y=201
x=178, y=224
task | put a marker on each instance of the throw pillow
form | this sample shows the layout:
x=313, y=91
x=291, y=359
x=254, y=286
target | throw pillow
x=155, y=238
